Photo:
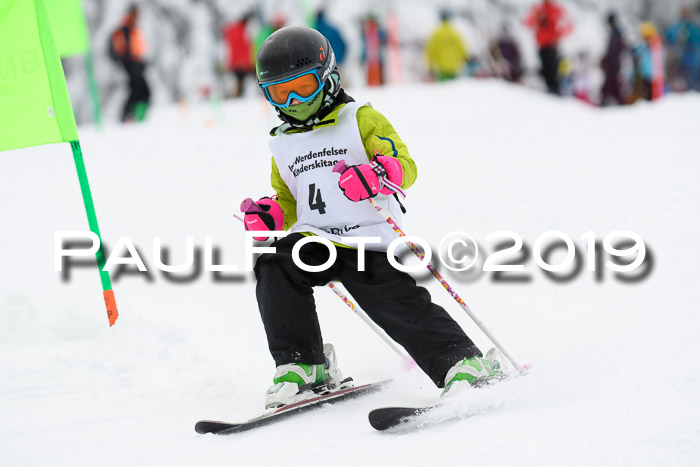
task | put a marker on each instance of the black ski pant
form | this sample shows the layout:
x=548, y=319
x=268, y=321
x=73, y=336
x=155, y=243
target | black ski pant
x=139, y=91
x=549, y=57
x=390, y=298
x=611, y=87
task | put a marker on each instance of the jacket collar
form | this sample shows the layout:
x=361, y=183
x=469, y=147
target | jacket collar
x=329, y=120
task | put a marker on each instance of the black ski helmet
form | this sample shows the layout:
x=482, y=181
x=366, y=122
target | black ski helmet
x=293, y=50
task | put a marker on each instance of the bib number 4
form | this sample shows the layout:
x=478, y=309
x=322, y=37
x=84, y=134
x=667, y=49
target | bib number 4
x=315, y=199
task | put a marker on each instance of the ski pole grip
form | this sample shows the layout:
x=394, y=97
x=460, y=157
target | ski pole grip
x=248, y=205
x=340, y=167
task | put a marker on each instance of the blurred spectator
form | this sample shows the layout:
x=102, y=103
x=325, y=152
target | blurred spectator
x=581, y=82
x=506, y=53
x=565, y=77
x=685, y=34
x=374, y=40
x=650, y=63
x=239, y=51
x=611, y=64
x=333, y=35
x=128, y=48
x=278, y=22
x=445, y=49
x=551, y=24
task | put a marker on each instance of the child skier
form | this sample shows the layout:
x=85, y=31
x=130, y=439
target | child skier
x=322, y=125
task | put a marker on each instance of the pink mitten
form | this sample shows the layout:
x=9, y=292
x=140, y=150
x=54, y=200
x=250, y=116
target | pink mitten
x=360, y=182
x=364, y=181
x=394, y=172
x=264, y=214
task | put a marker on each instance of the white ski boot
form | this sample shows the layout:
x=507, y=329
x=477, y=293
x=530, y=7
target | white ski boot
x=476, y=371
x=294, y=382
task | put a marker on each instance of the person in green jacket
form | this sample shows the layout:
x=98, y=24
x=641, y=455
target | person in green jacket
x=264, y=31
x=322, y=126
x=446, y=51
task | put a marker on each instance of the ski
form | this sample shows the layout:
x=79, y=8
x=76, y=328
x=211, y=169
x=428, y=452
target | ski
x=385, y=418
x=412, y=418
x=389, y=417
x=275, y=415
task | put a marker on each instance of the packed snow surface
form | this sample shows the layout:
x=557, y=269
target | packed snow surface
x=614, y=379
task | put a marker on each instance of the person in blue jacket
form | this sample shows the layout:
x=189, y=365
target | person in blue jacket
x=333, y=35
x=685, y=34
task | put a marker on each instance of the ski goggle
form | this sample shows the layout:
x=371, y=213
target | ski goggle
x=303, y=87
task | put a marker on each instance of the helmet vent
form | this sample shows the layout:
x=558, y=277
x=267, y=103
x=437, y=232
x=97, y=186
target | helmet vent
x=302, y=62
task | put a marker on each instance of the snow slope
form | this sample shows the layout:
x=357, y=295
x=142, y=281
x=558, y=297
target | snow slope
x=614, y=379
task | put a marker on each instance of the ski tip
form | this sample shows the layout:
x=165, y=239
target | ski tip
x=378, y=423
x=389, y=417
x=207, y=426
x=201, y=427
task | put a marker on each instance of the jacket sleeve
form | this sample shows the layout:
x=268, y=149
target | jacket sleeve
x=285, y=198
x=379, y=137
x=463, y=49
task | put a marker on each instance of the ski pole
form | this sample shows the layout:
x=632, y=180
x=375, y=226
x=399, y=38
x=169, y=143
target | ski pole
x=248, y=205
x=340, y=167
x=407, y=359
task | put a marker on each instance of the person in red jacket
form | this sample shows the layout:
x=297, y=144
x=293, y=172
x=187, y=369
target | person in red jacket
x=239, y=54
x=551, y=24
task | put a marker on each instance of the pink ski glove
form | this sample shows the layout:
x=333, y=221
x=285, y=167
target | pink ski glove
x=394, y=172
x=264, y=214
x=363, y=181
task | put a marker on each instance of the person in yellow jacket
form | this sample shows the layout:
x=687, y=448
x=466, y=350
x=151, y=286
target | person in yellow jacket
x=446, y=51
x=321, y=127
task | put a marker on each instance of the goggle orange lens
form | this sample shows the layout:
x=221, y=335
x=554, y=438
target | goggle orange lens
x=304, y=86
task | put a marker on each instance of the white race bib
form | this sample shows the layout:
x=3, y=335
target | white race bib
x=306, y=160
